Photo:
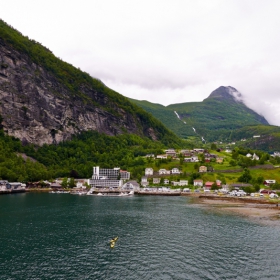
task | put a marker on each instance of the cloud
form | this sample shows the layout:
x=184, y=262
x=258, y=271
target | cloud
x=164, y=51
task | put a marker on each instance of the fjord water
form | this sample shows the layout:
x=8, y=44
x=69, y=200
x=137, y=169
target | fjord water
x=63, y=236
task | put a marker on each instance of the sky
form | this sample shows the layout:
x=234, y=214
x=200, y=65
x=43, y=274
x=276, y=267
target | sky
x=164, y=51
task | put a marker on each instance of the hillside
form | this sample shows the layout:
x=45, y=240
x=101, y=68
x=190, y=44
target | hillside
x=215, y=118
x=45, y=100
x=258, y=137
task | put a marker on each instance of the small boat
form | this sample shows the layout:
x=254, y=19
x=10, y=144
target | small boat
x=113, y=242
x=114, y=239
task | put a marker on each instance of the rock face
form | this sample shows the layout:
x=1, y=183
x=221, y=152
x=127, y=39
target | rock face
x=37, y=108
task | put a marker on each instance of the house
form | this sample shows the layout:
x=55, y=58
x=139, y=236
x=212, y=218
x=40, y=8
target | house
x=171, y=152
x=144, y=181
x=186, y=153
x=163, y=172
x=149, y=171
x=255, y=157
x=219, y=160
x=165, y=181
x=183, y=183
x=156, y=180
x=208, y=185
x=269, y=182
x=175, y=171
x=161, y=156
x=198, y=183
x=174, y=183
x=150, y=156
x=202, y=168
x=249, y=155
x=191, y=159
x=131, y=185
x=207, y=159
x=56, y=186
x=228, y=150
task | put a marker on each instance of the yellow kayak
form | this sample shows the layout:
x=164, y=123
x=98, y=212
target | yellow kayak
x=114, y=239
x=112, y=245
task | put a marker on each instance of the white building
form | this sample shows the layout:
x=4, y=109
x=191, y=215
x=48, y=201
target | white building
x=106, y=178
x=175, y=171
x=198, y=183
x=149, y=171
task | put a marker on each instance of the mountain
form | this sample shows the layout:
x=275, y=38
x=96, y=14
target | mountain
x=45, y=100
x=215, y=118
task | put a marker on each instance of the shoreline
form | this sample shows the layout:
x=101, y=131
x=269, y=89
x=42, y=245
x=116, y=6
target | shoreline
x=260, y=211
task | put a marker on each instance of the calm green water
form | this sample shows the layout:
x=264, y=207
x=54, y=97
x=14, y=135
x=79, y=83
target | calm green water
x=63, y=236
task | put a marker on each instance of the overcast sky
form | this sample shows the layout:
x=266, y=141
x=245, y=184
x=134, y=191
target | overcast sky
x=164, y=51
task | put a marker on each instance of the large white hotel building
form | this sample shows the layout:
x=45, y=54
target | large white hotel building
x=108, y=178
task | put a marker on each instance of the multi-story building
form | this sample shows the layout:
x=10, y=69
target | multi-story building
x=108, y=178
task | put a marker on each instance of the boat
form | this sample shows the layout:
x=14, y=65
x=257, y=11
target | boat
x=113, y=242
x=114, y=239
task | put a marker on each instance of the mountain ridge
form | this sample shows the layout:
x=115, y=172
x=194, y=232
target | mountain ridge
x=45, y=100
x=213, y=119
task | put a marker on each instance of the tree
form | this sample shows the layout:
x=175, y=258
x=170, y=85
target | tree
x=245, y=177
x=72, y=183
x=213, y=146
x=64, y=183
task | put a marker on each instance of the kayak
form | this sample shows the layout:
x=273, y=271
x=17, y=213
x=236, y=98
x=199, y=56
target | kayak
x=114, y=239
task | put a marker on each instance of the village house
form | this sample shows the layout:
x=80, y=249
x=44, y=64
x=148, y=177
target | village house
x=191, y=159
x=163, y=172
x=150, y=156
x=149, y=171
x=186, y=153
x=165, y=181
x=161, y=156
x=144, y=181
x=156, y=180
x=175, y=184
x=208, y=185
x=207, y=159
x=175, y=171
x=276, y=154
x=202, y=168
x=131, y=185
x=171, y=152
x=255, y=157
x=219, y=160
x=269, y=182
x=183, y=183
x=198, y=183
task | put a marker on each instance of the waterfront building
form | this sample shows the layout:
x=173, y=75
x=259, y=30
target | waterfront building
x=107, y=178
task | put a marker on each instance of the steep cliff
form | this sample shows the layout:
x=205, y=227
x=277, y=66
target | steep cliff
x=45, y=100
